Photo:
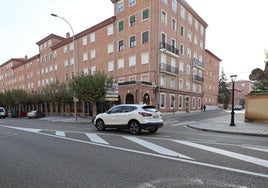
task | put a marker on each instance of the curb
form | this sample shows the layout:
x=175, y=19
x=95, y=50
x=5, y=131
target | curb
x=226, y=132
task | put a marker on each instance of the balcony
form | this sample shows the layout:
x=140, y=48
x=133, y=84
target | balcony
x=171, y=50
x=168, y=69
x=198, y=78
x=197, y=63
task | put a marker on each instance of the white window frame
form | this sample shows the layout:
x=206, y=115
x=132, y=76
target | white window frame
x=162, y=100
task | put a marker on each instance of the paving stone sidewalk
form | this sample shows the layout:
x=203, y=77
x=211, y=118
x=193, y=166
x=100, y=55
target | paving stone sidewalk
x=222, y=124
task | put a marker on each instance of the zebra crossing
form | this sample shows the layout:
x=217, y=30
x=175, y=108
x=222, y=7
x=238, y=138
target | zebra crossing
x=155, y=146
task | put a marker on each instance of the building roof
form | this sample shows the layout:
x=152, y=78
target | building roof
x=213, y=55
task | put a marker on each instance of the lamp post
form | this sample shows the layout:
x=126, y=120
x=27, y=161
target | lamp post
x=74, y=67
x=233, y=77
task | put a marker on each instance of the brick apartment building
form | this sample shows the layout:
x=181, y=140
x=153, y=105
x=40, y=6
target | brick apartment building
x=211, y=80
x=154, y=49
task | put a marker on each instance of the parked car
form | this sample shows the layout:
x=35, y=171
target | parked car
x=134, y=117
x=35, y=114
x=3, y=112
x=238, y=107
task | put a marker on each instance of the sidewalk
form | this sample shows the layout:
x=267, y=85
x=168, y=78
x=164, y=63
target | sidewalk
x=222, y=125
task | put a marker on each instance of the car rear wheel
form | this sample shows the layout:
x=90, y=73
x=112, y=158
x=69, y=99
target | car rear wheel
x=134, y=127
x=100, y=125
x=152, y=130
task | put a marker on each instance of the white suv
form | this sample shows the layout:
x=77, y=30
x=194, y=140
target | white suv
x=130, y=116
x=2, y=113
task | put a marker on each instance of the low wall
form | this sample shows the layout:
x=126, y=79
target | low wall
x=256, y=108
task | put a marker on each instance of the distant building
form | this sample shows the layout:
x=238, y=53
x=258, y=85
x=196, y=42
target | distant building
x=211, y=80
x=242, y=88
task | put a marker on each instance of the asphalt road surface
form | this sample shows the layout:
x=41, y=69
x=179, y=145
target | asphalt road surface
x=37, y=153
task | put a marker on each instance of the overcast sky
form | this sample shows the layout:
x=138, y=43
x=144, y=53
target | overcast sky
x=237, y=31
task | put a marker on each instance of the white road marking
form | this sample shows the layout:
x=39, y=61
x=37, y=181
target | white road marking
x=241, y=157
x=156, y=148
x=257, y=149
x=148, y=154
x=60, y=133
x=96, y=138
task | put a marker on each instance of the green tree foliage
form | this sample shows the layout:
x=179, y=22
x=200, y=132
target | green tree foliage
x=224, y=93
x=90, y=88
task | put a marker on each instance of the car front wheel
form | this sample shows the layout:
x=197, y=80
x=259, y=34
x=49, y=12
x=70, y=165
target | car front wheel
x=100, y=125
x=134, y=127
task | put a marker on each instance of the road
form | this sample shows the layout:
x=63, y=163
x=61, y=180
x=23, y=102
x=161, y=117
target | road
x=37, y=153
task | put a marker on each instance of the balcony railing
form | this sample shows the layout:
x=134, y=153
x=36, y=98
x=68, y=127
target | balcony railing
x=170, y=48
x=168, y=68
x=198, y=63
x=198, y=78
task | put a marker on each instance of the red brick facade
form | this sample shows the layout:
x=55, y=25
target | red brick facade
x=154, y=49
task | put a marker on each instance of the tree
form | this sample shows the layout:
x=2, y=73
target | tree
x=90, y=88
x=260, y=76
x=224, y=93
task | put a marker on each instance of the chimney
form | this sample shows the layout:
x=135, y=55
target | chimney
x=67, y=35
x=25, y=57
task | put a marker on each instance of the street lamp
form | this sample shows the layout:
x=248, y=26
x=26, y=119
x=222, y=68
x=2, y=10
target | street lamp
x=233, y=77
x=74, y=67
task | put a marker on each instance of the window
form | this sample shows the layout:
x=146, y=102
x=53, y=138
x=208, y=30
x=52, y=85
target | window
x=164, y=17
x=180, y=84
x=163, y=38
x=162, y=100
x=163, y=58
x=110, y=66
x=181, y=49
x=72, y=61
x=71, y=46
x=85, y=71
x=85, y=56
x=92, y=53
x=199, y=103
x=174, y=5
x=132, y=61
x=66, y=63
x=131, y=3
x=145, y=14
x=145, y=78
x=190, y=19
x=162, y=80
x=189, y=36
x=189, y=53
x=110, y=30
x=92, y=37
x=195, y=40
x=132, y=20
x=201, y=44
x=188, y=70
x=110, y=48
x=172, y=101
x=188, y=86
x=120, y=25
x=65, y=49
x=144, y=57
x=181, y=66
x=145, y=36
x=120, y=6
x=180, y=102
x=181, y=30
x=172, y=82
x=182, y=12
x=173, y=24
x=120, y=63
x=193, y=102
x=196, y=24
x=165, y=1
x=121, y=45
x=93, y=70
x=84, y=41
x=202, y=29
x=132, y=41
